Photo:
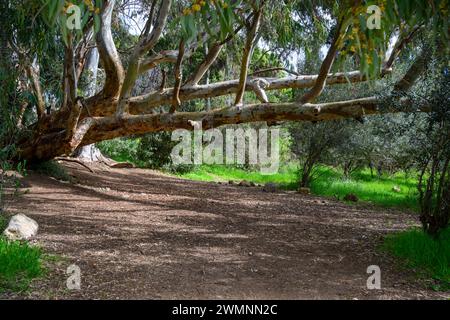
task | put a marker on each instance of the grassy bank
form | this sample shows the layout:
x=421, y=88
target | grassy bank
x=19, y=264
x=431, y=257
x=328, y=182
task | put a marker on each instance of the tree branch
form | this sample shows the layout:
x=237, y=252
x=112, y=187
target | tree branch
x=146, y=43
x=413, y=73
x=143, y=104
x=325, y=68
x=273, y=69
x=398, y=47
x=156, y=59
x=32, y=71
x=108, y=55
x=212, y=55
x=178, y=78
x=146, y=103
x=109, y=127
x=151, y=39
x=70, y=83
x=248, y=51
x=93, y=130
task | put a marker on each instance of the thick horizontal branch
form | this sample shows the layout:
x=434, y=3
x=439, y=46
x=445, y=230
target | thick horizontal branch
x=97, y=129
x=144, y=104
x=111, y=127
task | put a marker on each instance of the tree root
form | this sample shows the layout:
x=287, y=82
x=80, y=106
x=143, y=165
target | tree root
x=75, y=161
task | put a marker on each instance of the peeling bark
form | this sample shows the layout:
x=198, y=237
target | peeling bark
x=105, y=128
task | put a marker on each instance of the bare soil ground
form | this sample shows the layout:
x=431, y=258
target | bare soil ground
x=138, y=234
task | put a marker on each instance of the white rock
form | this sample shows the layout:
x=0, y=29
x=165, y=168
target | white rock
x=21, y=227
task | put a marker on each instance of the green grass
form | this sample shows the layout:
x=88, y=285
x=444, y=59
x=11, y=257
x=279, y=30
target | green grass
x=375, y=190
x=19, y=264
x=121, y=149
x=329, y=182
x=420, y=251
x=3, y=222
x=285, y=177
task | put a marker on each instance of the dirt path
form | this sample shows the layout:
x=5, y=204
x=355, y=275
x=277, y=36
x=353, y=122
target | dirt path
x=138, y=234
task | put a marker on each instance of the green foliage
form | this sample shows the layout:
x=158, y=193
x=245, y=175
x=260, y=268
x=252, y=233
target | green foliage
x=3, y=221
x=370, y=44
x=155, y=149
x=51, y=169
x=285, y=178
x=121, y=149
x=419, y=250
x=60, y=12
x=19, y=264
x=433, y=158
x=148, y=151
x=205, y=15
x=313, y=143
x=155, y=152
x=376, y=190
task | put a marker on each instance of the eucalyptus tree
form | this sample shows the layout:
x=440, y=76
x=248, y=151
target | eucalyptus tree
x=347, y=29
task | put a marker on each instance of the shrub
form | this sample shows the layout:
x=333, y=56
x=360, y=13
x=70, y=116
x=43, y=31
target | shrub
x=155, y=152
x=120, y=149
x=3, y=221
x=420, y=250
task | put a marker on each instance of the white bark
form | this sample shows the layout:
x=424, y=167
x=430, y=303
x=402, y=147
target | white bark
x=91, y=153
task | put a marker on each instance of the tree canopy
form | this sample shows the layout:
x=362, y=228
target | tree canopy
x=338, y=42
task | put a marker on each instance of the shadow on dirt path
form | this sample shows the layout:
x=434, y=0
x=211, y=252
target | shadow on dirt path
x=137, y=234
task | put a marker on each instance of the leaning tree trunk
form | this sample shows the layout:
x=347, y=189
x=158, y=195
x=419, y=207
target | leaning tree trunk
x=116, y=112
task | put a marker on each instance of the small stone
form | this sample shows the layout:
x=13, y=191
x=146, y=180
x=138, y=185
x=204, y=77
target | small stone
x=351, y=197
x=270, y=187
x=21, y=227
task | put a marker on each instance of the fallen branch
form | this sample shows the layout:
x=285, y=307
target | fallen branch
x=74, y=161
